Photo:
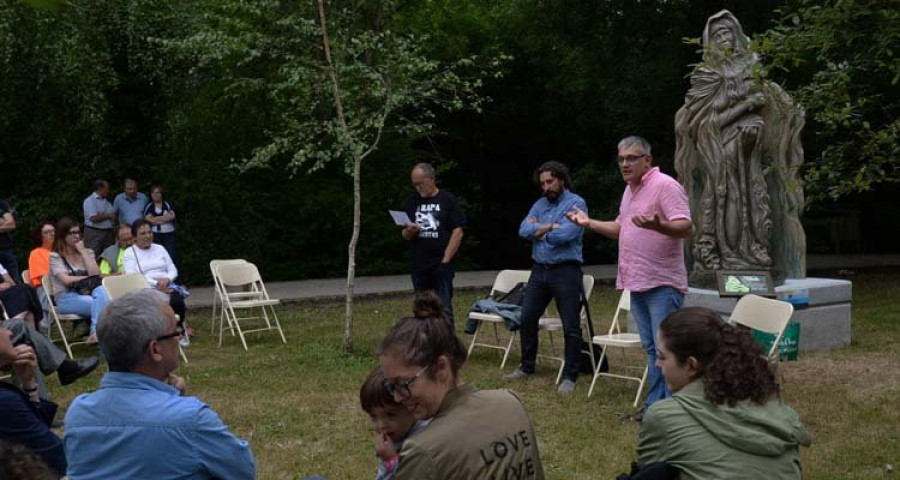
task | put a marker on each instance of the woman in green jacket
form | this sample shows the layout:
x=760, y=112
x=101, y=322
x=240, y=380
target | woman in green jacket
x=725, y=418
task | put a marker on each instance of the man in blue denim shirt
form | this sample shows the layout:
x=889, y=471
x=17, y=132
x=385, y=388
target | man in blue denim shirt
x=556, y=251
x=139, y=424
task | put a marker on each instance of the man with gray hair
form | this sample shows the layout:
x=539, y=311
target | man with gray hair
x=435, y=236
x=654, y=218
x=140, y=424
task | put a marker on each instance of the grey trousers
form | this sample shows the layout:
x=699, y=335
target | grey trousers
x=49, y=355
x=97, y=240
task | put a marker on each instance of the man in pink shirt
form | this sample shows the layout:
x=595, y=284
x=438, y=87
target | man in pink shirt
x=653, y=220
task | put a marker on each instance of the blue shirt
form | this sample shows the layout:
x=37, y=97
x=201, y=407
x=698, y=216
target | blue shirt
x=137, y=427
x=562, y=244
x=129, y=210
x=94, y=205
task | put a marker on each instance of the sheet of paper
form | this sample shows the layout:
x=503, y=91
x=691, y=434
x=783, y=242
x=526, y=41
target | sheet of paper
x=401, y=219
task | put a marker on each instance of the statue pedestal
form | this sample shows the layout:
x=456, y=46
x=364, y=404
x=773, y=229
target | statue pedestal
x=824, y=321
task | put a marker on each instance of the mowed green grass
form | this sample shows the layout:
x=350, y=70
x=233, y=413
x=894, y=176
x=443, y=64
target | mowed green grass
x=297, y=403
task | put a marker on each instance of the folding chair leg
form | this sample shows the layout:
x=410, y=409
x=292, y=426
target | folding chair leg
x=597, y=370
x=512, y=338
x=640, y=387
x=222, y=320
x=212, y=326
x=62, y=335
x=237, y=326
x=183, y=356
x=474, y=339
x=278, y=324
x=559, y=374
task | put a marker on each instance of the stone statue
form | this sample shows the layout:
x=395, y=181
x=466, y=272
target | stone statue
x=738, y=153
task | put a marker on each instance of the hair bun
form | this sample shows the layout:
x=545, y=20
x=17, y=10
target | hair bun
x=428, y=305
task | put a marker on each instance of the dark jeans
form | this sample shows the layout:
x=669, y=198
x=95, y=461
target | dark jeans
x=167, y=240
x=563, y=284
x=440, y=279
x=176, y=301
x=8, y=260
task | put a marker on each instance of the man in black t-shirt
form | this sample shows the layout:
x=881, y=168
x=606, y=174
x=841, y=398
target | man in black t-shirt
x=7, y=256
x=435, y=237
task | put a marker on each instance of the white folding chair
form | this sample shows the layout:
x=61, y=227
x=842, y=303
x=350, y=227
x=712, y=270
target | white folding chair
x=118, y=285
x=26, y=277
x=57, y=318
x=506, y=280
x=217, y=294
x=554, y=324
x=764, y=314
x=615, y=338
x=252, y=296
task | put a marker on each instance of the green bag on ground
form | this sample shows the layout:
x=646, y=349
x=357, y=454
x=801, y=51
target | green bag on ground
x=788, y=347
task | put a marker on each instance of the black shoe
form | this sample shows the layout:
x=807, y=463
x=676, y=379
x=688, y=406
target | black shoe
x=639, y=415
x=70, y=370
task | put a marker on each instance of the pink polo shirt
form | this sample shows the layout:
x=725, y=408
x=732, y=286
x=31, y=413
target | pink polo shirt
x=647, y=258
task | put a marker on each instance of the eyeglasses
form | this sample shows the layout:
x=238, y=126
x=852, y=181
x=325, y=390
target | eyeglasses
x=179, y=332
x=48, y=232
x=74, y=233
x=629, y=158
x=401, y=388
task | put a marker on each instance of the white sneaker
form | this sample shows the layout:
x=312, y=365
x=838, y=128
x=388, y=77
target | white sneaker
x=566, y=387
x=518, y=374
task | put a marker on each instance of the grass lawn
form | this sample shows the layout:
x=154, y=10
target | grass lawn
x=298, y=403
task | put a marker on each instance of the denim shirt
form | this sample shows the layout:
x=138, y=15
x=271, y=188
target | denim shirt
x=137, y=427
x=561, y=244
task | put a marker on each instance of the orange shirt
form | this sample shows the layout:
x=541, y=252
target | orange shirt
x=38, y=265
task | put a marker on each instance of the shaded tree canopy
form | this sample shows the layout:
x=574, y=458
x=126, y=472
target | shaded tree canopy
x=184, y=94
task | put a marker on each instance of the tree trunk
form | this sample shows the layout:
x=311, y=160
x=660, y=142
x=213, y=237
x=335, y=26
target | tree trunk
x=357, y=163
x=351, y=256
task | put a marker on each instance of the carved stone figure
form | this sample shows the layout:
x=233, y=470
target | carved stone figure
x=738, y=153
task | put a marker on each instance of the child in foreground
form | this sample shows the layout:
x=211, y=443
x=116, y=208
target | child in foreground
x=392, y=421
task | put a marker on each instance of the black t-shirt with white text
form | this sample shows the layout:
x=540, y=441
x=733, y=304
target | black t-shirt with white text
x=436, y=217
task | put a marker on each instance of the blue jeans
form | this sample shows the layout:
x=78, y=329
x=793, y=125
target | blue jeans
x=650, y=308
x=440, y=279
x=563, y=284
x=91, y=305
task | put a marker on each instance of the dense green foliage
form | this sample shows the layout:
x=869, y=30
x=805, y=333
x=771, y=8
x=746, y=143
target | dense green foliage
x=225, y=104
x=841, y=61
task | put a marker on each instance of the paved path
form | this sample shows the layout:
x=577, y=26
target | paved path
x=335, y=288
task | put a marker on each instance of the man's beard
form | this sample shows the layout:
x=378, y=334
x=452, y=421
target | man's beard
x=552, y=195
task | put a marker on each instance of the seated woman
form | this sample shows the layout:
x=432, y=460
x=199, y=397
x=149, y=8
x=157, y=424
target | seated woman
x=19, y=301
x=26, y=417
x=70, y=263
x=724, y=419
x=39, y=263
x=39, y=258
x=473, y=433
x=153, y=262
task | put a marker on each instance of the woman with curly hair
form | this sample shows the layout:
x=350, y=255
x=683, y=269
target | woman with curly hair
x=725, y=418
